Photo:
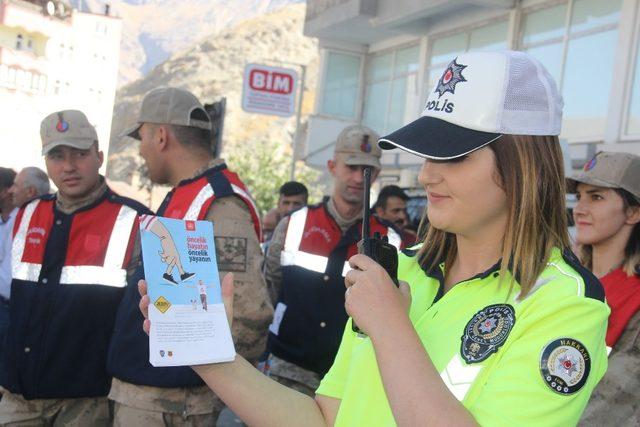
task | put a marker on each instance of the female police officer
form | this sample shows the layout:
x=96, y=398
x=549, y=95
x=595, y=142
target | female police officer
x=504, y=327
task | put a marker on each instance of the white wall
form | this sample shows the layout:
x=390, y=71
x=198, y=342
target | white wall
x=82, y=57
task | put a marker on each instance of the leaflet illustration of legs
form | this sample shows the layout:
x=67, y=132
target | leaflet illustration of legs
x=169, y=253
x=202, y=289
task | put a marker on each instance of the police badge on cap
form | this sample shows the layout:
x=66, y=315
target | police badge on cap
x=486, y=332
x=565, y=364
x=450, y=78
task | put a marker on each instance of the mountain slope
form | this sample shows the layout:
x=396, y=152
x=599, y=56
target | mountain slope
x=153, y=30
x=214, y=68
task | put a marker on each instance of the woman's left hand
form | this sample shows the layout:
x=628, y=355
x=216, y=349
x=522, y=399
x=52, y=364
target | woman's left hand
x=372, y=299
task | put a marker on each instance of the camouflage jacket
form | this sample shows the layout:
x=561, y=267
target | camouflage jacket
x=616, y=400
x=238, y=251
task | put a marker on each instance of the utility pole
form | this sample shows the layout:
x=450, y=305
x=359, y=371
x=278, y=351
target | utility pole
x=296, y=135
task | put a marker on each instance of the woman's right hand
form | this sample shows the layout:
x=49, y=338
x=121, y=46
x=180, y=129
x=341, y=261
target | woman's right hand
x=227, y=299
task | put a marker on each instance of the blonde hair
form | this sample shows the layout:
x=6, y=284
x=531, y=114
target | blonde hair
x=530, y=171
x=631, y=262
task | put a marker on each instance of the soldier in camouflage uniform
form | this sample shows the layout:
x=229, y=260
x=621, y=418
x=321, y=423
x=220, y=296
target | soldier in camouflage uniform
x=175, y=133
x=68, y=383
x=355, y=149
x=616, y=399
x=607, y=218
x=63, y=412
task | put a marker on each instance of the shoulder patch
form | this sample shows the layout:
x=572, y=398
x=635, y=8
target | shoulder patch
x=592, y=286
x=485, y=333
x=565, y=364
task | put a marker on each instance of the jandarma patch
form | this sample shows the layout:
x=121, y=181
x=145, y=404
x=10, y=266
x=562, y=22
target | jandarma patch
x=62, y=125
x=450, y=78
x=365, y=147
x=590, y=164
x=565, y=364
x=487, y=330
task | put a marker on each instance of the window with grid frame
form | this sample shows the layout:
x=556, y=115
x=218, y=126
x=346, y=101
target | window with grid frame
x=391, y=88
x=341, y=84
x=576, y=41
x=631, y=125
x=443, y=49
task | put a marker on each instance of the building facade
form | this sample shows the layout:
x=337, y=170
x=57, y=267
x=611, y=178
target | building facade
x=53, y=57
x=380, y=58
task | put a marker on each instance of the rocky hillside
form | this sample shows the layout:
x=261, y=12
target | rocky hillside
x=153, y=30
x=214, y=68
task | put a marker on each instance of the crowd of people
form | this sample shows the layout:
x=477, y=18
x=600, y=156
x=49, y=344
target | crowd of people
x=496, y=318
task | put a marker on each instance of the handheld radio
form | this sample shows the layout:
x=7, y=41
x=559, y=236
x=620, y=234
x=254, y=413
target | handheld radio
x=377, y=248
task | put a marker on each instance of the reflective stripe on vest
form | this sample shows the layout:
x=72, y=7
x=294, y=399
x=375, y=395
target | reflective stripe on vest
x=394, y=238
x=198, y=202
x=293, y=237
x=206, y=193
x=24, y=270
x=111, y=273
x=292, y=255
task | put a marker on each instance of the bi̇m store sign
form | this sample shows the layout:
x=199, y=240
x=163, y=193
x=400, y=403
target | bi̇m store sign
x=269, y=90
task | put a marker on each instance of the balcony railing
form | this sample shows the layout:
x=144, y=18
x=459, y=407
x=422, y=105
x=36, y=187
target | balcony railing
x=23, y=59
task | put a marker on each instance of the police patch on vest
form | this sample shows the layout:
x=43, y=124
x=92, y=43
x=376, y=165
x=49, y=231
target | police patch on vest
x=486, y=332
x=565, y=364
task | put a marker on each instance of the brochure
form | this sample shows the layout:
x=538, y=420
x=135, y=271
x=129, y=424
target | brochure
x=188, y=321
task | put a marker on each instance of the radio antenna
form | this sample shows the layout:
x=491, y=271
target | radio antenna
x=366, y=213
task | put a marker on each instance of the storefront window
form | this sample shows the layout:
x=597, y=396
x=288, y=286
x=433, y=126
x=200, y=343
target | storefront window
x=633, y=119
x=391, y=92
x=580, y=58
x=594, y=14
x=491, y=37
x=444, y=49
x=586, y=84
x=341, y=85
x=545, y=25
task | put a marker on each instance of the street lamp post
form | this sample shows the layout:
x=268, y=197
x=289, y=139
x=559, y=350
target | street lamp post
x=296, y=135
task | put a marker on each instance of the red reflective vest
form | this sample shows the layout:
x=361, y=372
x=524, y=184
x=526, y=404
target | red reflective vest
x=309, y=317
x=192, y=198
x=69, y=275
x=97, y=251
x=312, y=235
x=129, y=352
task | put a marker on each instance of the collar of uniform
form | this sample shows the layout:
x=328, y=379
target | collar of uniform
x=67, y=206
x=438, y=272
x=439, y=269
x=343, y=223
x=214, y=165
x=493, y=270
